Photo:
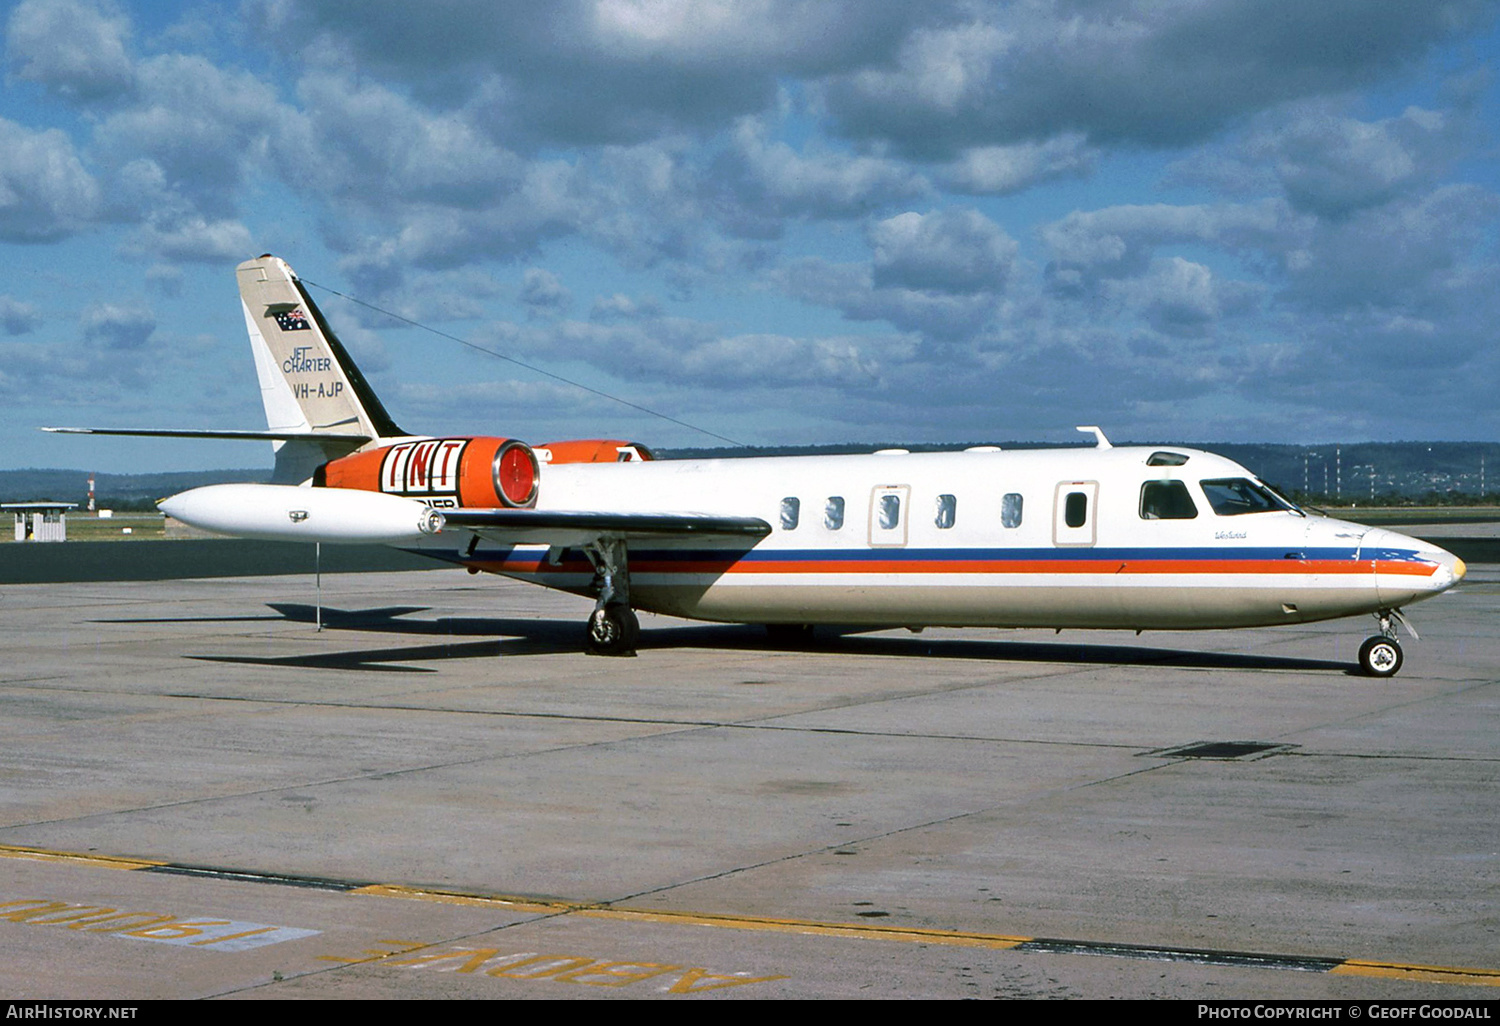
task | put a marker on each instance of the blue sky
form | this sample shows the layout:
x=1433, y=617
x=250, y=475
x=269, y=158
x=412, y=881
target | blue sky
x=783, y=221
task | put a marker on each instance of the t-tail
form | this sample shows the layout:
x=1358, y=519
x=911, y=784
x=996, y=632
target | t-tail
x=315, y=397
x=318, y=405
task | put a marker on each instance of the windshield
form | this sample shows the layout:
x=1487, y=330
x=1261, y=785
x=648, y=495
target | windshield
x=1233, y=496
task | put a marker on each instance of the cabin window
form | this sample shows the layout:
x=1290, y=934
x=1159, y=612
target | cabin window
x=890, y=512
x=791, y=508
x=1166, y=500
x=833, y=512
x=1010, y=510
x=1076, y=509
x=947, y=510
x=1233, y=496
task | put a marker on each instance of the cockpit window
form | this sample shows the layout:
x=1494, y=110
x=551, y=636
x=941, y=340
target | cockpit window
x=1166, y=500
x=1166, y=459
x=1232, y=496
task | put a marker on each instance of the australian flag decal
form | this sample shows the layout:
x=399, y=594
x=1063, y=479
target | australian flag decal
x=292, y=320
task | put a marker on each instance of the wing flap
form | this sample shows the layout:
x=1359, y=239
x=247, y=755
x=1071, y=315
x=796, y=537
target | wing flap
x=580, y=527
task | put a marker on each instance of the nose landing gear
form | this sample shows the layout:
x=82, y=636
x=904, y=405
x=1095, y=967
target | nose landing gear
x=1380, y=656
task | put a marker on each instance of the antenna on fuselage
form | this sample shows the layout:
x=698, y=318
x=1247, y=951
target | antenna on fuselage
x=1098, y=433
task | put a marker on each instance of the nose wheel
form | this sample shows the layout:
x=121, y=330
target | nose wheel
x=1380, y=656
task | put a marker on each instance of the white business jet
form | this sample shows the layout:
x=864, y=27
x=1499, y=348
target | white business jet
x=1104, y=537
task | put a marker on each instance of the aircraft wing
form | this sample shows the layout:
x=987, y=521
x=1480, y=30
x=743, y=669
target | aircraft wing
x=581, y=527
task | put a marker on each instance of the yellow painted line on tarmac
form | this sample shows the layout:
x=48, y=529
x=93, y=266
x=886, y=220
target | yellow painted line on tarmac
x=860, y=931
x=471, y=900
x=1421, y=973
x=9, y=851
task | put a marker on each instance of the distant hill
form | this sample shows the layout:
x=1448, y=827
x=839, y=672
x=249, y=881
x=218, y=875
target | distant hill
x=1431, y=472
x=112, y=491
x=1386, y=472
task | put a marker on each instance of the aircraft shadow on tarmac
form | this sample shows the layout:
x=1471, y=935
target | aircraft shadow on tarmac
x=518, y=637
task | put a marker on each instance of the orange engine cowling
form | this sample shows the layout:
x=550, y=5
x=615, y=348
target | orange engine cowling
x=594, y=450
x=445, y=472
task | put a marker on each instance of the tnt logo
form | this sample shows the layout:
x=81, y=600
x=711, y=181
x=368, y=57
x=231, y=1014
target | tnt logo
x=422, y=467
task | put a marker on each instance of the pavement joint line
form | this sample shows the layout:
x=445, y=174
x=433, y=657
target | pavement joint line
x=894, y=832
x=317, y=883
x=372, y=775
x=684, y=725
x=1341, y=966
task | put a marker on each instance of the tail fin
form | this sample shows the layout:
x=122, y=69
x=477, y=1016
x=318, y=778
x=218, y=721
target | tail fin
x=308, y=383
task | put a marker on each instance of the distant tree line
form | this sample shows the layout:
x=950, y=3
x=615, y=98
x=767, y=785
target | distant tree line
x=1331, y=474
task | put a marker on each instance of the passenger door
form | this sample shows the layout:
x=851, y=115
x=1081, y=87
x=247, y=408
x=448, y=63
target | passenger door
x=1073, y=512
x=889, y=513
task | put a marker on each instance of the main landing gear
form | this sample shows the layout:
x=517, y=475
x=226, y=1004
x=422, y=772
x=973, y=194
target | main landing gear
x=1380, y=656
x=613, y=630
x=613, y=626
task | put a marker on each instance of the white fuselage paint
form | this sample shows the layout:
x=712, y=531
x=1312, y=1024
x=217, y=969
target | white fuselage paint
x=1116, y=569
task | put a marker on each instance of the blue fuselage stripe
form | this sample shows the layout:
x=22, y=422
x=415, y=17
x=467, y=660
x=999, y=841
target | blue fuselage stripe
x=854, y=557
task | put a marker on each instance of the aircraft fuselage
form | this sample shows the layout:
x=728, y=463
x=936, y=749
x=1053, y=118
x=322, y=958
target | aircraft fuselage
x=1021, y=538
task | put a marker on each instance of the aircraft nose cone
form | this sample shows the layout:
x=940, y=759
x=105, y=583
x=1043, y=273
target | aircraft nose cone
x=1456, y=567
x=1381, y=544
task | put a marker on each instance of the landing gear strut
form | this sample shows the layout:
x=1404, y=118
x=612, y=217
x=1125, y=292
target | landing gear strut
x=613, y=626
x=1380, y=656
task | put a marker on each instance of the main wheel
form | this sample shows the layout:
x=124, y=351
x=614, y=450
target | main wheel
x=1380, y=656
x=613, y=631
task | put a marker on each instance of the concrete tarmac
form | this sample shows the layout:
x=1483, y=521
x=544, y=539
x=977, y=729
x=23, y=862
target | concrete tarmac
x=439, y=795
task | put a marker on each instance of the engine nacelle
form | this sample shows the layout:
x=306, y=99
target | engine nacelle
x=593, y=450
x=289, y=513
x=444, y=472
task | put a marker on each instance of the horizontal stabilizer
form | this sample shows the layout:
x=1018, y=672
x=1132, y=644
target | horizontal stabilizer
x=353, y=441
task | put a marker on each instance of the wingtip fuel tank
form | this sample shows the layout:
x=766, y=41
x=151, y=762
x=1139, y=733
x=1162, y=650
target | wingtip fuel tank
x=288, y=513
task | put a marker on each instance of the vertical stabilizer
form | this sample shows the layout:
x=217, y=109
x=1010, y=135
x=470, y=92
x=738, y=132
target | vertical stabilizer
x=308, y=383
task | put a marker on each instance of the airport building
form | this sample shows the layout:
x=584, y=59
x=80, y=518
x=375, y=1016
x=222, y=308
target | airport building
x=40, y=521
